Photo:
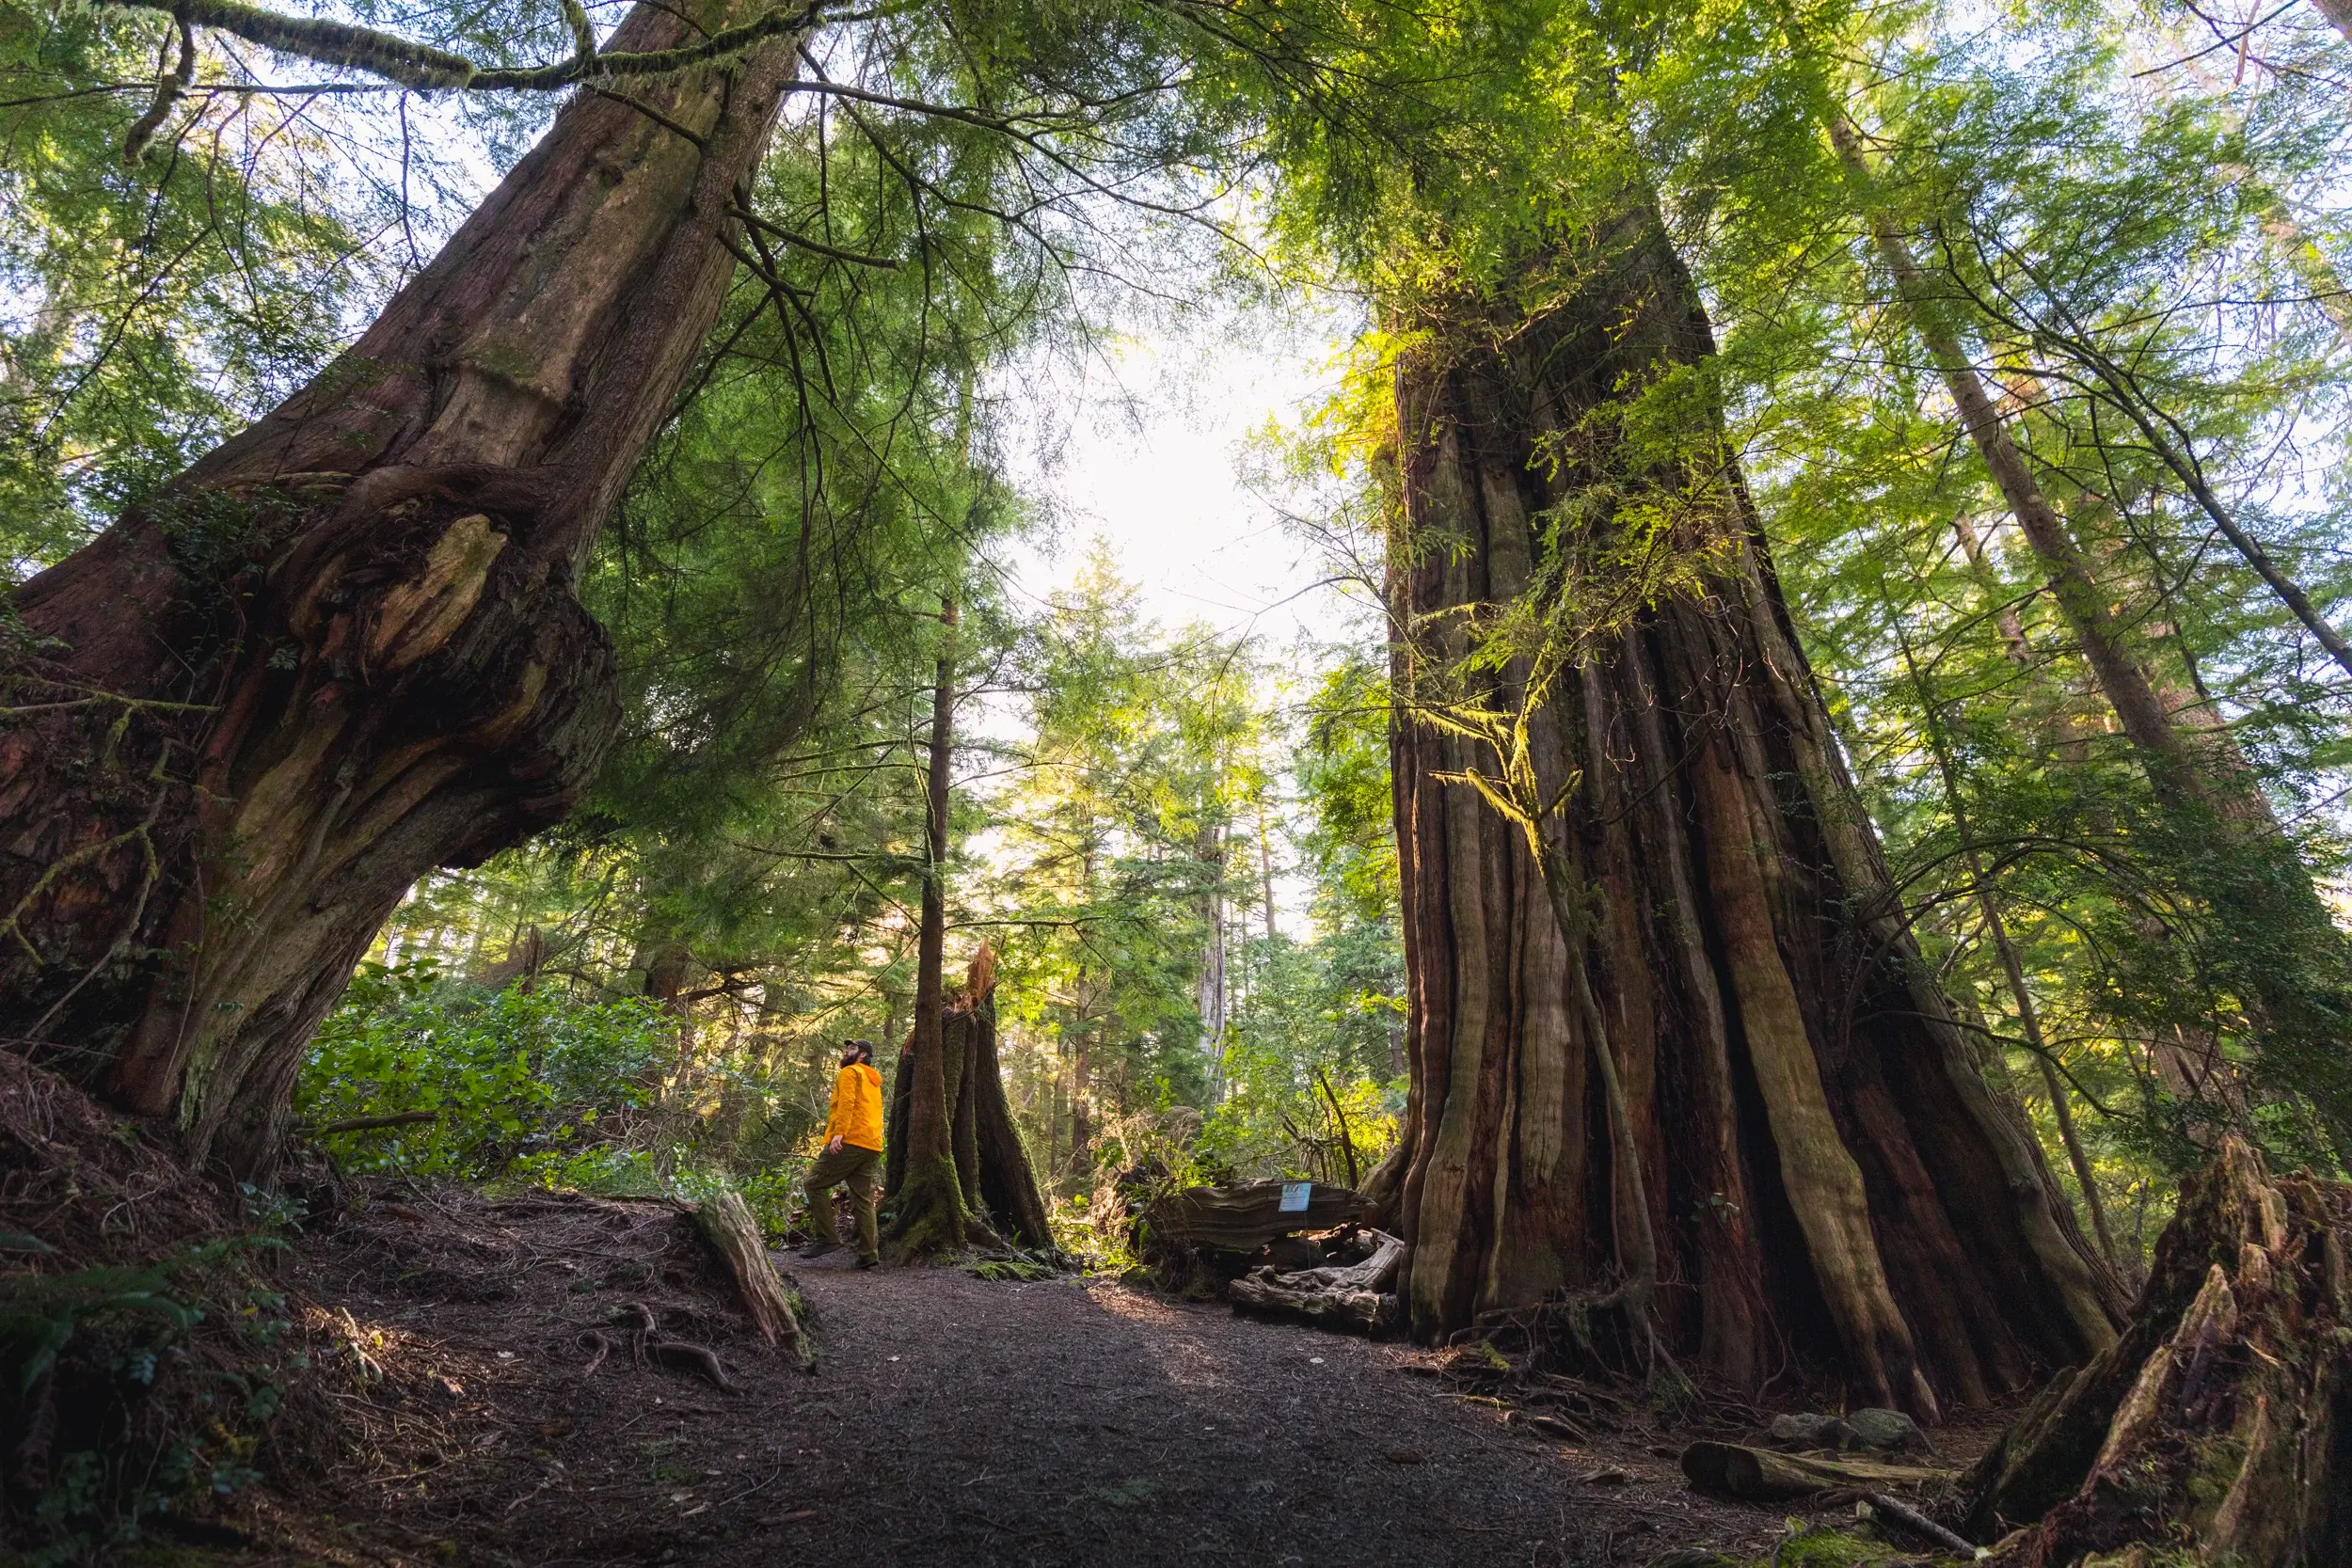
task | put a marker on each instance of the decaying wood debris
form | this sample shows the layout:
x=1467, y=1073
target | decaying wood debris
x=1357, y=1298
x=2220, y=1426
x=726, y=1225
x=1246, y=1216
x=1761, y=1475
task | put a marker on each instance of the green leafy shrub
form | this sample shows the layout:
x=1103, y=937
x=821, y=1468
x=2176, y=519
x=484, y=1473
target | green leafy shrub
x=114, y=1407
x=536, y=1079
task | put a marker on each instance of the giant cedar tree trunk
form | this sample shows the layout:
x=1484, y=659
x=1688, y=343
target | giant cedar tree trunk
x=345, y=648
x=1835, y=1190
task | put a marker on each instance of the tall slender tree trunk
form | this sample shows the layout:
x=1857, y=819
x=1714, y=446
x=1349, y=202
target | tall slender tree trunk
x=344, y=648
x=2179, y=771
x=1081, y=1091
x=2012, y=967
x=2299, y=1020
x=931, y=1214
x=1265, y=874
x=1835, y=1190
x=1210, y=846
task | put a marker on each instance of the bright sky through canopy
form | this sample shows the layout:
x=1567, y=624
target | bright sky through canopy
x=1154, y=456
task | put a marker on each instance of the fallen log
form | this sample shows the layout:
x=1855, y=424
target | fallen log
x=1244, y=1217
x=1356, y=1299
x=369, y=1124
x=1376, y=1273
x=1761, y=1475
x=726, y=1223
x=1368, y=1312
x=2219, y=1426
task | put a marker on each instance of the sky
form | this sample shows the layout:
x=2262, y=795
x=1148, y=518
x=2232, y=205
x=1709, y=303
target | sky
x=1149, y=448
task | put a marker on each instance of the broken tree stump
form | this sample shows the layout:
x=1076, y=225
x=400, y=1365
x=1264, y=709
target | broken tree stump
x=726, y=1223
x=1765, y=1475
x=2219, y=1425
x=1246, y=1216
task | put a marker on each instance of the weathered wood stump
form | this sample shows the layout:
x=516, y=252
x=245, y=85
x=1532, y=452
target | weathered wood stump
x=1000, y=1185
x=2219, y=1427
x=726, y=1223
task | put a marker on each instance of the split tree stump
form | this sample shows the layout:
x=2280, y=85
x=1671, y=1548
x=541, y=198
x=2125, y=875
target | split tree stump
x=2220, y=1426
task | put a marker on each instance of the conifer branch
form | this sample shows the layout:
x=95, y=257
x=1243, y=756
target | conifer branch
x=405, y=62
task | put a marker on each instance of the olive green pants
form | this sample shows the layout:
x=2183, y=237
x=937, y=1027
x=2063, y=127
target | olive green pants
x=855, y=1166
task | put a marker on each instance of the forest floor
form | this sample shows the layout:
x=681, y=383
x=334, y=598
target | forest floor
x=952, y=1420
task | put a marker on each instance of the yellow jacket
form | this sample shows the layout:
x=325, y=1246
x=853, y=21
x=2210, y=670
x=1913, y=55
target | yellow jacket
x=857, y=1108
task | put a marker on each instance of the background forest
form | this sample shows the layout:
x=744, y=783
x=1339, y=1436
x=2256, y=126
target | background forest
x=2033, y=345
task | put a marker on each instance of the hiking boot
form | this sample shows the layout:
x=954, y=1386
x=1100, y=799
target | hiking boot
x=817, y=1250
x=869, y=1262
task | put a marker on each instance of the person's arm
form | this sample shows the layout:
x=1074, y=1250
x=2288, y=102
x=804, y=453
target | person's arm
x=838, y=1113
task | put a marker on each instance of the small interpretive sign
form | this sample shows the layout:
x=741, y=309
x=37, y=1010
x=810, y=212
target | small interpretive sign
x=1295, y=1196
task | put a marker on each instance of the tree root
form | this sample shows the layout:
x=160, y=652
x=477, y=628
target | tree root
x=636, y=1330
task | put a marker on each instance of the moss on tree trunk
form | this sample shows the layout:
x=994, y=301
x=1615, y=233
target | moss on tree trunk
x=998, y=1183
x=1834, y=1189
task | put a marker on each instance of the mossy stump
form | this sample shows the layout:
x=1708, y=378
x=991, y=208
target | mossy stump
x=2219, y=1429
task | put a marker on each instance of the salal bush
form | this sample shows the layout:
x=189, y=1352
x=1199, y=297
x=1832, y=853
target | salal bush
x=531, y=1083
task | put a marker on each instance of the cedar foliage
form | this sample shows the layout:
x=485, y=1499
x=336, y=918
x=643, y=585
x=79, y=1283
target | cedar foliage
x=1884, y=553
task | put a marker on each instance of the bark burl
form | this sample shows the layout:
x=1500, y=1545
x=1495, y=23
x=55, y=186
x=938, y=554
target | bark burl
x=345, y=648
x=1833, y=1187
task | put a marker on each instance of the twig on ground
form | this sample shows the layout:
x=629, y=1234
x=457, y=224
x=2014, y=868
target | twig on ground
x=1918, y=1523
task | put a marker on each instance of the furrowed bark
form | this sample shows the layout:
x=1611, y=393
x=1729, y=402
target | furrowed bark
x=1835, y=1186
x=344, y=648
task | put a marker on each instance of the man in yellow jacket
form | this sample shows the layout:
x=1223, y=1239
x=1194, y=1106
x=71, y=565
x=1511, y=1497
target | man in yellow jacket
x=854, y=1141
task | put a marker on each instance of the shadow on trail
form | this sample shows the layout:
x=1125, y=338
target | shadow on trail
x=953, y=1420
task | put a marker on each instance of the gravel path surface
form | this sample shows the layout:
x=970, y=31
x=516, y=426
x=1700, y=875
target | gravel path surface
x=1069, y=1421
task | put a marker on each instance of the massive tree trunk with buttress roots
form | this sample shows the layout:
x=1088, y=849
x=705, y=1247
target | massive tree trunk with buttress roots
x=992, y=1171
x=344, y=648
x=1836, y=1193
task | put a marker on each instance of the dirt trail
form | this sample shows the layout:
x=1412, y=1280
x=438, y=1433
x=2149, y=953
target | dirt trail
x=953, y=1420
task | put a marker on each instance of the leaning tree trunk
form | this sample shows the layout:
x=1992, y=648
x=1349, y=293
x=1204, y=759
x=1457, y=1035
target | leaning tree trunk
x=2219, y=1427
x=1833, y=1188
x=345, y=647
